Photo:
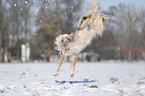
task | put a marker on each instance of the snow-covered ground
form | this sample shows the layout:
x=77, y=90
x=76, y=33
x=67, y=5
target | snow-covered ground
x=91, y=79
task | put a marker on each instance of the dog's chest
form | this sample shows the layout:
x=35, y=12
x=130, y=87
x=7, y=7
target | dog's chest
x=85, y=38
x=81, y=40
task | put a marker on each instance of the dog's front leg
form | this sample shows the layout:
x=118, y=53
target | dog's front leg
x=73, y=62
x=60, y=63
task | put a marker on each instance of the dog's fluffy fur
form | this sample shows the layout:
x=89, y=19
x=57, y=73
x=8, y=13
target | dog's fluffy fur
x=89, y=25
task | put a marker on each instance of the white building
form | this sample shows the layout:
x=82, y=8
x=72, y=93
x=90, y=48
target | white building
x=25, y=52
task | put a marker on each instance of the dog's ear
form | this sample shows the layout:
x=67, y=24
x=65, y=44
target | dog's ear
x=94, y=6
x=104, y=16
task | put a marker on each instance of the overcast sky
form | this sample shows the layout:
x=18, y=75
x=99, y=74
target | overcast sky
x=104, y=4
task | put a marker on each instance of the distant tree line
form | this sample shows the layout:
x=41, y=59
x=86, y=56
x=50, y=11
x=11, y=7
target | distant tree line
x=123, y=37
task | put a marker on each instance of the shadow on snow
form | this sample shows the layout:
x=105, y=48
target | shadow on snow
x=75, y=82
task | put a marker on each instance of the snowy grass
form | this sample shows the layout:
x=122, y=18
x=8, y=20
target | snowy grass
x=106, y=78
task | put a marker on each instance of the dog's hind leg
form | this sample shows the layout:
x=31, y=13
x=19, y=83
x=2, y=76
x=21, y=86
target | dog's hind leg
x=60, y=63
x=73, y=62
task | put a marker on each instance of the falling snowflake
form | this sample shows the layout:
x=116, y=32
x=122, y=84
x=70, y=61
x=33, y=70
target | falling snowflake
x=40, y=20
x=54, y=2
x=34, y=2
x=15, y=4
x=26, y=2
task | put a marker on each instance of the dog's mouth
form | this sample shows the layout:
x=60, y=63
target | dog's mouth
x=103, y=21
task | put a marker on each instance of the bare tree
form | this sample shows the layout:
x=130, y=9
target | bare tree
x=49, y=28
x=3, y=29
x=0, y=29
x=8, y=37
x=16, y=19
x=26, y=15
x=127, y=27
x=141, y=17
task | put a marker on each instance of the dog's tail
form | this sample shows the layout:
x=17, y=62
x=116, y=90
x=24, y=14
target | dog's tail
x=59, y=42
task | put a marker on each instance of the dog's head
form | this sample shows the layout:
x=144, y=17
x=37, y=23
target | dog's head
x=92, y=17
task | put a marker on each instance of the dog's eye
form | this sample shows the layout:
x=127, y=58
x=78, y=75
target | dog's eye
x=84, y=18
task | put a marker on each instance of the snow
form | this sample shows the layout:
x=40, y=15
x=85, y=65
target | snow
x=26, y=2
x=106, y=78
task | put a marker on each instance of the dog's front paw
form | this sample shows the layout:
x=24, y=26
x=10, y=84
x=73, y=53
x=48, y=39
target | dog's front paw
x=72, y=75
x=56, y=74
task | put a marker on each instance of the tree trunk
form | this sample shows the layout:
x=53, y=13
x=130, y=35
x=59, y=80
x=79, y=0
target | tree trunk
x=17, y=33
x=0, y=33
x=48, y=59
x=0, y=51
x=116, y=53
x=144, y=54
x=13, y=42
x=144, y=41
x=3, y=46
x=129, y=55
x=8, y=41
x=25, y=39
